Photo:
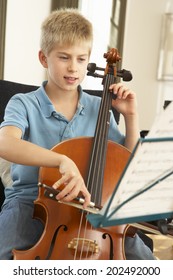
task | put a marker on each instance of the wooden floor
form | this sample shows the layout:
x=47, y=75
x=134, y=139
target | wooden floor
x=163, y=247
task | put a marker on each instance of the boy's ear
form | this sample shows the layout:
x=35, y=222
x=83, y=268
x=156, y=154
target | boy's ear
x=42, y=59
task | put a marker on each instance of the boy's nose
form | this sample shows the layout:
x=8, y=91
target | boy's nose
x=72, y=66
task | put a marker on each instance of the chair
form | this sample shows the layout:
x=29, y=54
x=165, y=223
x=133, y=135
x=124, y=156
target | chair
x=8, y=89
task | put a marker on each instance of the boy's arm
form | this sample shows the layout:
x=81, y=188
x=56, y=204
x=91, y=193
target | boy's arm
x=132, y=131
x=126, y=104
x=14, y=149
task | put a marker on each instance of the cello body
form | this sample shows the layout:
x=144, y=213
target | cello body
x=67, y=234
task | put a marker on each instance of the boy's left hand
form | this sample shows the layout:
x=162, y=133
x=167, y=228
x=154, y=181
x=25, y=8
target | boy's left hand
x=125, y=102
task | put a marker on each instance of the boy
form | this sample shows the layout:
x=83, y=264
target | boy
x=58, y=110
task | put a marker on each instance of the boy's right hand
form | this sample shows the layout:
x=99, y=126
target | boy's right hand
x=73, y=182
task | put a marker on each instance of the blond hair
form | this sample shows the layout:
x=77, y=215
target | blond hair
x=65, y=27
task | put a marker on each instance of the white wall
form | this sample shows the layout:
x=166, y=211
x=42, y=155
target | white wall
x=22, y=40
x=141, y=55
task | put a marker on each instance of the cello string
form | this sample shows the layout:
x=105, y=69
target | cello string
x=83, y=237
x=88, y=249
x=83, y=242
x=95, y=175
x=96, y=180
x=99, y=149
x=101, y=144
x=92, y=180
x=78, y=236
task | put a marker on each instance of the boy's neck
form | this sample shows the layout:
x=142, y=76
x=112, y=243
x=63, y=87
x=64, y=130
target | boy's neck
x=65, y=102
x=60, y=95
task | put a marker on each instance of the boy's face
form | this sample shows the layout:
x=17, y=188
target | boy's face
x=66, y=66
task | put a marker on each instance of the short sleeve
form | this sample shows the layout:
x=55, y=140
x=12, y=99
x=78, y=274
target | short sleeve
x=16, y=114
x=114, y=132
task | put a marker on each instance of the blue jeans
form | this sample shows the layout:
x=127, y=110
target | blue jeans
x=17, y=227
x=20, y=231
x=135, y=249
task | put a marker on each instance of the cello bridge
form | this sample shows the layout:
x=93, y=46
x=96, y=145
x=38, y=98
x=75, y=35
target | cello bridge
x=84, y=245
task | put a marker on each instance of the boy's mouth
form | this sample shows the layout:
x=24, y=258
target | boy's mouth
x=70, y=78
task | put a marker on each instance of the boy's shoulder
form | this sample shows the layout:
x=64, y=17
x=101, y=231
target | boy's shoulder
x=90, y=99
x=26, y=95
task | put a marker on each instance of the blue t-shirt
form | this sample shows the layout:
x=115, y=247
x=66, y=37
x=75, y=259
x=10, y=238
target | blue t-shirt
x=41, y=124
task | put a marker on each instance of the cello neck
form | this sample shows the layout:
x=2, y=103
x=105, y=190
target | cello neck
x=98, y=156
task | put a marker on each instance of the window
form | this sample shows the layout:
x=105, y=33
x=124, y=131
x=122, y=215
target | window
x=64, y=4
x=117, y=24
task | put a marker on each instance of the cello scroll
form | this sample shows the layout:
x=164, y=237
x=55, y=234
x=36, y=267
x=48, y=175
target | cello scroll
x=112, y=57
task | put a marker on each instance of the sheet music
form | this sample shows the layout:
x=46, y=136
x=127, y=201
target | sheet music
x=148, y=178
x=163, y=124
x=151, y=162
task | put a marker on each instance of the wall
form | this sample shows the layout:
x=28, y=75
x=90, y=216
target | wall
x=22, y=40
x=141, y=54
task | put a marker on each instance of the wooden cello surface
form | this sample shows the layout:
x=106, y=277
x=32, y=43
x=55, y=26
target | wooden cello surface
x=67, y=233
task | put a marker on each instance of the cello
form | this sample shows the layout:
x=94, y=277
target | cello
x=67, y=233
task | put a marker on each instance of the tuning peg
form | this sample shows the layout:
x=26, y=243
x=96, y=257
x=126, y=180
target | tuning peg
x=95, y=75
x=125, y=74
x=92, y=67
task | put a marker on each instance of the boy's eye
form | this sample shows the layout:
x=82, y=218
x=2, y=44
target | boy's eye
x=82, y=59
x=63, y=57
